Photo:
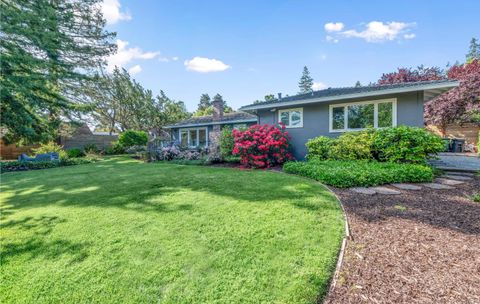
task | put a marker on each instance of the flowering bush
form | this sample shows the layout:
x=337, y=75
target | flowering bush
x=189, y=155
x=168, y=153
x=262, y=146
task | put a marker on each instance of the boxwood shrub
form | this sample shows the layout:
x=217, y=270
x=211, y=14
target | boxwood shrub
x=344, y=174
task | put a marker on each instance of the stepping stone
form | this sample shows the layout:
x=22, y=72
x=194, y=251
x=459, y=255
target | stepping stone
x=385, y=190
x=459, y=177
x=450, y=182
x=406, y=186
x=437, y=186
x=461, y=173
x=363, y=190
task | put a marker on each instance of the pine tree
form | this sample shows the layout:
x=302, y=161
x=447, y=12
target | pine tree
x=358, y=84
x=205, y=102
x=306, y=82
x=474, y=51
x=48, y=51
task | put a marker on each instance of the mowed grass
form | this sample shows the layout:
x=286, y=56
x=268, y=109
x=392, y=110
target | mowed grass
x=122, y=231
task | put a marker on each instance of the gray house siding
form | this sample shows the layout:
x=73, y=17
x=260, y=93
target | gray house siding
x=316, y=118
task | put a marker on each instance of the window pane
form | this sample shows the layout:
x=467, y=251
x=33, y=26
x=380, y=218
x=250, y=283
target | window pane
x=239, y=126
x=360, y=116
x=183, y=138
x=284, y=118
x=385, y=114
x=193, y=138
x=295, y=118
x=202, y=135
x=338, y=122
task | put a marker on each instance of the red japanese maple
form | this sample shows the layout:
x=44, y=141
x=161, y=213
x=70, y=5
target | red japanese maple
x=262, y=146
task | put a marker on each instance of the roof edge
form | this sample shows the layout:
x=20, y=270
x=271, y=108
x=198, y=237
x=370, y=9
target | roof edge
x=420, y=87
x=211, y=123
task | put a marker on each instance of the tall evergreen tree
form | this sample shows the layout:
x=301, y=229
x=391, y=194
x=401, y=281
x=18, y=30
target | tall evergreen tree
x=306, y=82
x=358, y=84
x=49, y=49
x=205, y=102
x=473, y=51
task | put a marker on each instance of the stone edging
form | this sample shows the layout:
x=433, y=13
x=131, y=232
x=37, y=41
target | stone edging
x=341, y=254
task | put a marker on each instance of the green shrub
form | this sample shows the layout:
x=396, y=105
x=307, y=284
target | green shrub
x=319, y=147
x=51, y=147
x=10, y=166
x=352, y=145
x=406, y=144
x=91, y=149
x=476, y=197
x=227, y=142
x=74, y=152
x=115, y=149
x=344, y=174
x=133, y=138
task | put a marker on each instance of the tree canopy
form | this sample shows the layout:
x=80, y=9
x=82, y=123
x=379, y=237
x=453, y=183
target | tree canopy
x=205, y=105
x=122, y=104
x=49, y=50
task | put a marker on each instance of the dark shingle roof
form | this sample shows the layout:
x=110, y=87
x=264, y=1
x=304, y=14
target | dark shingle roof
x=208, y=120
x=338, y=92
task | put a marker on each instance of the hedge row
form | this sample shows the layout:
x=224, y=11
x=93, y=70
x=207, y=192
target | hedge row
x=344, y=174
x=10, y=166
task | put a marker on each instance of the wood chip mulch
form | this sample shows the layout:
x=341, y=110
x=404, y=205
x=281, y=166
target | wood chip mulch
x=418, y=247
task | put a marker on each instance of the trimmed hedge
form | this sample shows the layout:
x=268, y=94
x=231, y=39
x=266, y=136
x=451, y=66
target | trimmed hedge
x=11, y=166
x=344, y=174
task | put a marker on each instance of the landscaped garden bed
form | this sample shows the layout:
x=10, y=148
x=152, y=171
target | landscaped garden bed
x=417, y=247
x=122, y=230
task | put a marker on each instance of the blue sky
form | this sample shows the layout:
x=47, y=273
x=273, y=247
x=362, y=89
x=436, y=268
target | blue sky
x=247, y=49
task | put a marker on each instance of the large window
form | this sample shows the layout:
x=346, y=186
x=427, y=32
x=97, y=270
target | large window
x=193, y=138
x=291, y=118
x=362, y=115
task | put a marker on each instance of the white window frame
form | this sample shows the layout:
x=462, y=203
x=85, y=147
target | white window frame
x=375, y=114
x=300, y=125
x=189, y=138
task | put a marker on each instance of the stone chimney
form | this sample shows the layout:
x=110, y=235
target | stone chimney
x=217, y=109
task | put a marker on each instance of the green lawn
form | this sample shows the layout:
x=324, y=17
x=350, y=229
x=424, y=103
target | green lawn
x=121, y=231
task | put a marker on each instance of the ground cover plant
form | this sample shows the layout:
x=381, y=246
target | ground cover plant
x=352, y=173
x=10, y=166
x=121, y=230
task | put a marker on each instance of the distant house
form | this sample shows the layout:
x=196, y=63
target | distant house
x=333, y=111
x=204, y=131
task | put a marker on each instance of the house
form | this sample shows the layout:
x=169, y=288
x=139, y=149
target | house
x=333, y=111
x=204, y=131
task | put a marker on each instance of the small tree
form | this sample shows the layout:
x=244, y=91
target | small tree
x=306, y=82
x=358, y=84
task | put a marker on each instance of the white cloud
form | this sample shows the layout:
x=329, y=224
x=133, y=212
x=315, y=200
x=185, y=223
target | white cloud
x=205, y=65
x=111, y=11
x=331, y=39
x=163, y=59
x=175, y=58
x=323, y=56
x=319, y=86
x=334, y=26
x=135, y=69
x=409, y=36
x=377, y=31
x=125, y=54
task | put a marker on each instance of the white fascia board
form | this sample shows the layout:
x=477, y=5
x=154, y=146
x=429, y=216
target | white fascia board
x=211, y=123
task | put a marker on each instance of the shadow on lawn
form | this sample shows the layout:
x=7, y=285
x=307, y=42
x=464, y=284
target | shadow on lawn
x=442, y=208
x=145, y=187
x=35, y=246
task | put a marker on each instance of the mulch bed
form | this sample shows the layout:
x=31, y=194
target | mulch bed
x=417, y=247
